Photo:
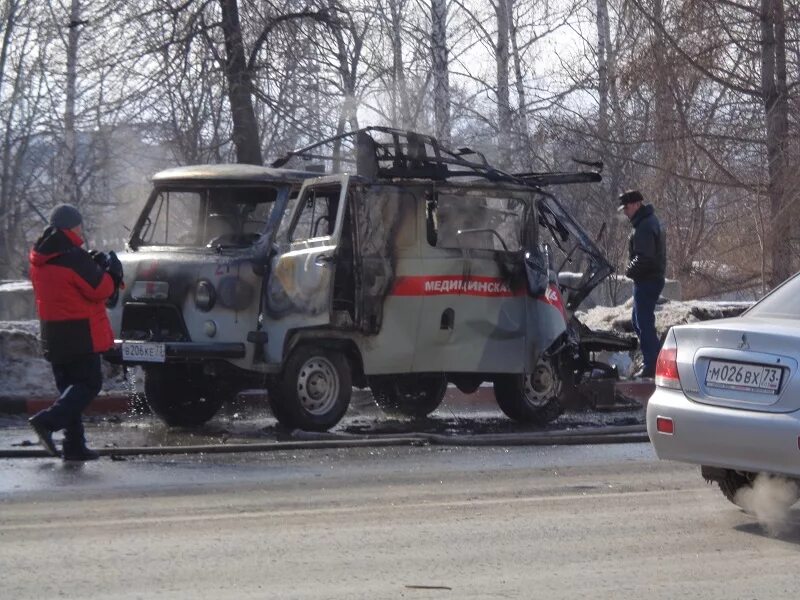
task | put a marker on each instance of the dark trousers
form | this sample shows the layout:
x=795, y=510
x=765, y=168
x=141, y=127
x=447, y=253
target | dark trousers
x=645, y=296
x=78, y=381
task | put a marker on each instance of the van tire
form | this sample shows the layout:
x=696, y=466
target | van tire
x=177, y=398
x=314, y=390
x=531, y=398
x=414, y=395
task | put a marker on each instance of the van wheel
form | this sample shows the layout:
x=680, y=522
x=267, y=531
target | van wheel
x=314, y=391
x=531, y=398
x=177, y=398
x=414, y=395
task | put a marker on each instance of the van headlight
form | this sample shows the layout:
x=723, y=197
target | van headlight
x=205, y=295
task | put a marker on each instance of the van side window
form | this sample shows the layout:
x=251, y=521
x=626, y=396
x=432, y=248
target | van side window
x=317, y=218
x=476, y=221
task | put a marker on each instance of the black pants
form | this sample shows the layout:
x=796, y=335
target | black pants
x=645, y=298
x=78, y=381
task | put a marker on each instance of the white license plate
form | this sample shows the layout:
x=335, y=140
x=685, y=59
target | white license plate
x=744, y=377
x=143, y=352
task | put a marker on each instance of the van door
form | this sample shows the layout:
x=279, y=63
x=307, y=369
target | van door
x=578, y=252
x=300, y=287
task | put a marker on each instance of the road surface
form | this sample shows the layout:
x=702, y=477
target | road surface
x=605, y=521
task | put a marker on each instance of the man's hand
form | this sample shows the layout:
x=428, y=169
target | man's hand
x=114, y=268
x=639, y=267
x=100, y=259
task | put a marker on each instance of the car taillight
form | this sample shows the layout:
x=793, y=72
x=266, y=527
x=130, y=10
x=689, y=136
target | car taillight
x=667, y=364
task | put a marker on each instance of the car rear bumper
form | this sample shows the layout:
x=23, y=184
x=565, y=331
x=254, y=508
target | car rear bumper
x=729, y=438
x=184, y=352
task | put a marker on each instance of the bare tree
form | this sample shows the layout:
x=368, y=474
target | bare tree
x=441, y=77
x=240, y=87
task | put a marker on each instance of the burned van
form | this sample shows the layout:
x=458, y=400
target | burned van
x=407, y=267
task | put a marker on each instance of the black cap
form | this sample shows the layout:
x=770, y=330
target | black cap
x=629, y=197
x=65, y=216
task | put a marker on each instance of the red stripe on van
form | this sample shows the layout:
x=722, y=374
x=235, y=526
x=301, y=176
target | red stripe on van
x=450, y=285
x=553, y=297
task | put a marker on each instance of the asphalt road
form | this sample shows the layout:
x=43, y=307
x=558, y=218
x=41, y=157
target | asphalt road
x=606, y=521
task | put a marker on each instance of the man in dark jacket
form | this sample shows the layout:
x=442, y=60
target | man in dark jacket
x=647, y=252
x=71, y=287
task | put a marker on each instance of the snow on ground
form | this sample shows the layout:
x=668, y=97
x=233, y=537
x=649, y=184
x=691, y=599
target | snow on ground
x=668, y=313
x=21, y=285
x=24, y=371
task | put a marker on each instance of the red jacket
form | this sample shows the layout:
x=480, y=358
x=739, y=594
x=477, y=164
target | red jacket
x=70, y=291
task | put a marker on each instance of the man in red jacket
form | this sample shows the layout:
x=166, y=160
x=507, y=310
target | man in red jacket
x=71, y=287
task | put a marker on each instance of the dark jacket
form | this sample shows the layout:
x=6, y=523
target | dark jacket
x=70, y=291
x=647, y=247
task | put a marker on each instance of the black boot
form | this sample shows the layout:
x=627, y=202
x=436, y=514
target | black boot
x=45, y=435
x=79, y=453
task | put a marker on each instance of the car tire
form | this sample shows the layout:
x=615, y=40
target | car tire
x=531, y=398
x=178, y=399
x=735, y=481
x=415, y=395
x=314, y=391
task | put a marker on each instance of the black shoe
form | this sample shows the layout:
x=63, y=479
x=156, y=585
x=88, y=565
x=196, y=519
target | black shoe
x=82, y=454
x=45, y=436
x=644, y=373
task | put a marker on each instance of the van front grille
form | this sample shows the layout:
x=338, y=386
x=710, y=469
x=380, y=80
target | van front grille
x=157, y=322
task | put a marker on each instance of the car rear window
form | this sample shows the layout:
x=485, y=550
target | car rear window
x=783, y=303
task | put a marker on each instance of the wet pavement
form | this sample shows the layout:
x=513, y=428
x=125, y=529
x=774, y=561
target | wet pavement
x=248, y=420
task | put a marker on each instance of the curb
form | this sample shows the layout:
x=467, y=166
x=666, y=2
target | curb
x=102, y=405
x=633, y=434
x=116, y=403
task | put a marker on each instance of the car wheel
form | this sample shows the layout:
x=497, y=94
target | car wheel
x=735, y=482
x=177, y=398
x=415, y=395
x=531, y=398
x=314, y=391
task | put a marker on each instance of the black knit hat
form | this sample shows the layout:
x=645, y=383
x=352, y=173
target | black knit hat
x=65, y=216
x=629, y=197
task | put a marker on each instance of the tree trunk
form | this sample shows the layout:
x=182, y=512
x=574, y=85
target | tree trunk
x=608, y=103
x=503, y=104
x=5, y=204
x=10, y=21
x=776, y=108
x=441, y=78
x=664, y=122
x=602, y=72
x=522, y=102
x=67, y=190
x=240, y=88
x=398, y=73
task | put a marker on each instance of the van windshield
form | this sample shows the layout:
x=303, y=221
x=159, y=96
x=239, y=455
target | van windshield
x=227, y=217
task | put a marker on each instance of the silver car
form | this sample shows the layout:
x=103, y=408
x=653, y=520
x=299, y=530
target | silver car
x=728, y=395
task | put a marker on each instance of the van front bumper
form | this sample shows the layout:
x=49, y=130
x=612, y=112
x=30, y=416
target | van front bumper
x=180, y=352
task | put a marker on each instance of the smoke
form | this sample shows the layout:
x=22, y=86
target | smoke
x=770, y=500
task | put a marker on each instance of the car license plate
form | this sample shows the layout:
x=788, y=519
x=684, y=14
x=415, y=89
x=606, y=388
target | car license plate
x=744, y=377
x=143, y=352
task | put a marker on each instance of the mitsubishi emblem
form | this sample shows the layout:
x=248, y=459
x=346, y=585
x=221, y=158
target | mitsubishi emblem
x=743, y=345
